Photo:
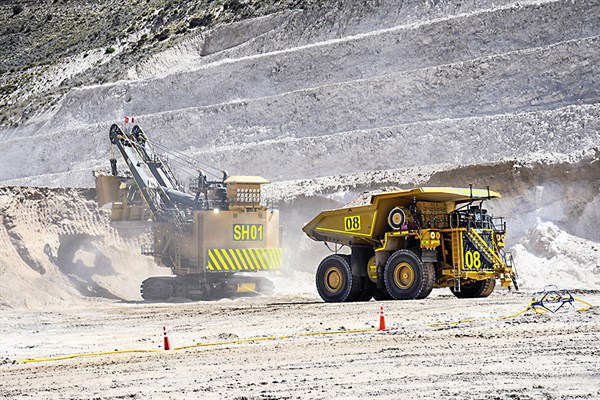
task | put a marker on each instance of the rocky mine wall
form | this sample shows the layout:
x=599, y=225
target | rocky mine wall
x=371, y=88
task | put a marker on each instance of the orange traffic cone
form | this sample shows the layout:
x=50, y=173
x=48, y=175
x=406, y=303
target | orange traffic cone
x=381, y=320
x=167, y=344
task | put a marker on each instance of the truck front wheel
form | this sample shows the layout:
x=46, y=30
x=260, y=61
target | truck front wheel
x=407, y=277
x=335, y=282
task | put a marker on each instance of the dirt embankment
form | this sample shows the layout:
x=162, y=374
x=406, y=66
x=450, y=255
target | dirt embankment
x=341, y=87
x=57, y=247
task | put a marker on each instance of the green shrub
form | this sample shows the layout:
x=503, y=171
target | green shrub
x=163, y=35
x=18, y=9
x=8, y=89
x=110, y=50
x=233, y=5
x=204, y=20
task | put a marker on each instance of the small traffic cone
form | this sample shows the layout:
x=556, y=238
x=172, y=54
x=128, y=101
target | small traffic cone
x=167, y=344
x=381, y=320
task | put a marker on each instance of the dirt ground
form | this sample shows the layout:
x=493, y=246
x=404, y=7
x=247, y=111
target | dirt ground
x=526, y=357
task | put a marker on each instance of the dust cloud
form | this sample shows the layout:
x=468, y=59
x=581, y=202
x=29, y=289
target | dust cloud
x=57, y=247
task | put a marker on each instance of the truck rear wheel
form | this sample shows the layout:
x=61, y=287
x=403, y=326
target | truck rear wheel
x=363, y=292
x=475, y=289
x=335, y=282
x=428, y=286
x=382, y=294
x=367, y=289
x=407, y=277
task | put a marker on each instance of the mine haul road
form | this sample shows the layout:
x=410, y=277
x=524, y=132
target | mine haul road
x=550, y=356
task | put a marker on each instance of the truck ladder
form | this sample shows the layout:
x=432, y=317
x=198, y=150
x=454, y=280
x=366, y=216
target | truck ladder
x=457, y=257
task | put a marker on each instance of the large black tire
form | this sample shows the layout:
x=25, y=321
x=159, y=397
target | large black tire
x=430, y=268
x=365, y=293
x=360, y=293
x=335, y=282
x=382, y=294
x=475, y=289
x=407, y=277
x=367, y=289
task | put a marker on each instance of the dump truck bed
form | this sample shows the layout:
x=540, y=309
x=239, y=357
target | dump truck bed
x=364, y=224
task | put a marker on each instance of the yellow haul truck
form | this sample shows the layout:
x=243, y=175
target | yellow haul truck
x=405, y=243
x=214, y=235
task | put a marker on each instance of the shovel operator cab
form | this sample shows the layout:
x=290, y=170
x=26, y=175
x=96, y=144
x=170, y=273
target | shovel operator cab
x=215, y=235
x=405, y=243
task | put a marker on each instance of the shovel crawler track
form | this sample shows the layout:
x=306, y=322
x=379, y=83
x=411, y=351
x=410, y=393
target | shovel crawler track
x=163, y=288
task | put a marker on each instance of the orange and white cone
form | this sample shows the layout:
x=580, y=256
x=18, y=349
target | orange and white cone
x=381, y=320
x=166, y=343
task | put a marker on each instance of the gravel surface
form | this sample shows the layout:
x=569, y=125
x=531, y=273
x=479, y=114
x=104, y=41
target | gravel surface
x=526, y=357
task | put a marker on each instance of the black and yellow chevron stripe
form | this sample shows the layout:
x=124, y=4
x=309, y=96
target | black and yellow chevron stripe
x=244, y=259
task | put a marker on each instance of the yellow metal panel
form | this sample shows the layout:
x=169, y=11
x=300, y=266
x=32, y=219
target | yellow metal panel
x=223, y=263
x=462, y=251
x=277, y=253
x=244, y=259
x=437, y=194
x=246, y=288
x=263, y=261
x=272, y=261
x=260, y=259
x=237, y=262
x=351, y=232
x=267, y=257
x=234, y=262
x=272, y=256
x=248, y=258
x=213, y=261
x=278, y=262
x=255, y=262
x=344, y=232
x=230, y=263
x=107, y=188
x=241, y=258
